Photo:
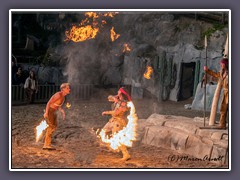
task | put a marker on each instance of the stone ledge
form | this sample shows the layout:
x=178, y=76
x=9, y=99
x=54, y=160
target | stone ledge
x=184, y=135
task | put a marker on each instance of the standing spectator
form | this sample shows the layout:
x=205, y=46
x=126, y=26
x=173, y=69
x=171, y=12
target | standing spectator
x=18, y=78
x=14, y=67
x=30, y=87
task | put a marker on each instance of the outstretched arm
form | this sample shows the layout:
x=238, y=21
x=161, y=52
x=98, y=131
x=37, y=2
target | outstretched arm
x=107, y=112
x=211, y=73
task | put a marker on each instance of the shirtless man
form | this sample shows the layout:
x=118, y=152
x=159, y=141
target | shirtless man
x=50, y=114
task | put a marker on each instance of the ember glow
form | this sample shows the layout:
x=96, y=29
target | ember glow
x=126, y=48
x=104, y=22
x=68, y=105
x=92, y=14
x=40, y=128
x=114, y=35
x=127, y=135
x=110, y=14
x=148, y=72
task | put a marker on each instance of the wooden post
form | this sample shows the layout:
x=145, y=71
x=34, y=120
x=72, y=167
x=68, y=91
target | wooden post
x=205, y=82
x=215, y=104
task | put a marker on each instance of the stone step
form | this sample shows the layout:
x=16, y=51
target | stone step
x=184, y=135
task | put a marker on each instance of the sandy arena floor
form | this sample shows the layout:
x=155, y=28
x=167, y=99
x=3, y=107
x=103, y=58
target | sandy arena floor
x=77, y=145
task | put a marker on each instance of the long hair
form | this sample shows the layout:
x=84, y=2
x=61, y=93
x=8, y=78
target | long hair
x=34, y=75
x=226, y=66
x=225, y=62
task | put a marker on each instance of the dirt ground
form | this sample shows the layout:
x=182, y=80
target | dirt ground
x=77, y=145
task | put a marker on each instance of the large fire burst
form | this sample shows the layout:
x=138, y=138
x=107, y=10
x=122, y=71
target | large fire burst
x=89, y=27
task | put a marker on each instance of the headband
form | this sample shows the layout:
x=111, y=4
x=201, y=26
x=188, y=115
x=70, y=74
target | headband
x=224, y=61
x=124, y=92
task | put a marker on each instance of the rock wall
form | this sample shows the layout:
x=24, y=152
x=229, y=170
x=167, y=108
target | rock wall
x=198, y=101
x=184, y=135
x=165, y=42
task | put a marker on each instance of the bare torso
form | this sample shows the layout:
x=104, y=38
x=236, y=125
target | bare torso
x=59, y=101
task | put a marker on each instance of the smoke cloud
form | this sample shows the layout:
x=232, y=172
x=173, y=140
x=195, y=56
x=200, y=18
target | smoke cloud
x=88, y=62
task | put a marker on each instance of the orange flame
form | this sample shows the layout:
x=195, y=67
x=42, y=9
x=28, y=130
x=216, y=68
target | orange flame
x=78, y=34
x=127, y=135
x=114, y=36
x=97, y=131
x=85, y=31
x=148, y=72
x=110, y=14
x=40, y=128
x=68, y=105
x=126, y=48
x=104, y=22
x=92, y=14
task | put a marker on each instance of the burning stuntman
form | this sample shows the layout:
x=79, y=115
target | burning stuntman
x=50, y=114
x=119, y=114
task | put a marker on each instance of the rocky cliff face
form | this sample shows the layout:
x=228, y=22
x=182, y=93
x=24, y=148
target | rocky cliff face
x=171, y=43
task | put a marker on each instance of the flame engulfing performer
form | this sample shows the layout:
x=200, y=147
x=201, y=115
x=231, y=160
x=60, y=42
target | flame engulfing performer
x=54, y=104
x=119, y=114
x=223, y=82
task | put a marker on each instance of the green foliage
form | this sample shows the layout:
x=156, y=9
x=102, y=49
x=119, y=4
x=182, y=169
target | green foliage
x=215, y=27
x=210, y=31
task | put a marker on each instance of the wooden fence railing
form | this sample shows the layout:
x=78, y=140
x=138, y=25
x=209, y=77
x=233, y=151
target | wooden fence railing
x=78, y=92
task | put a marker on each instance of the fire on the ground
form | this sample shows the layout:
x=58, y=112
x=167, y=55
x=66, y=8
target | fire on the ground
x=40, y=128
